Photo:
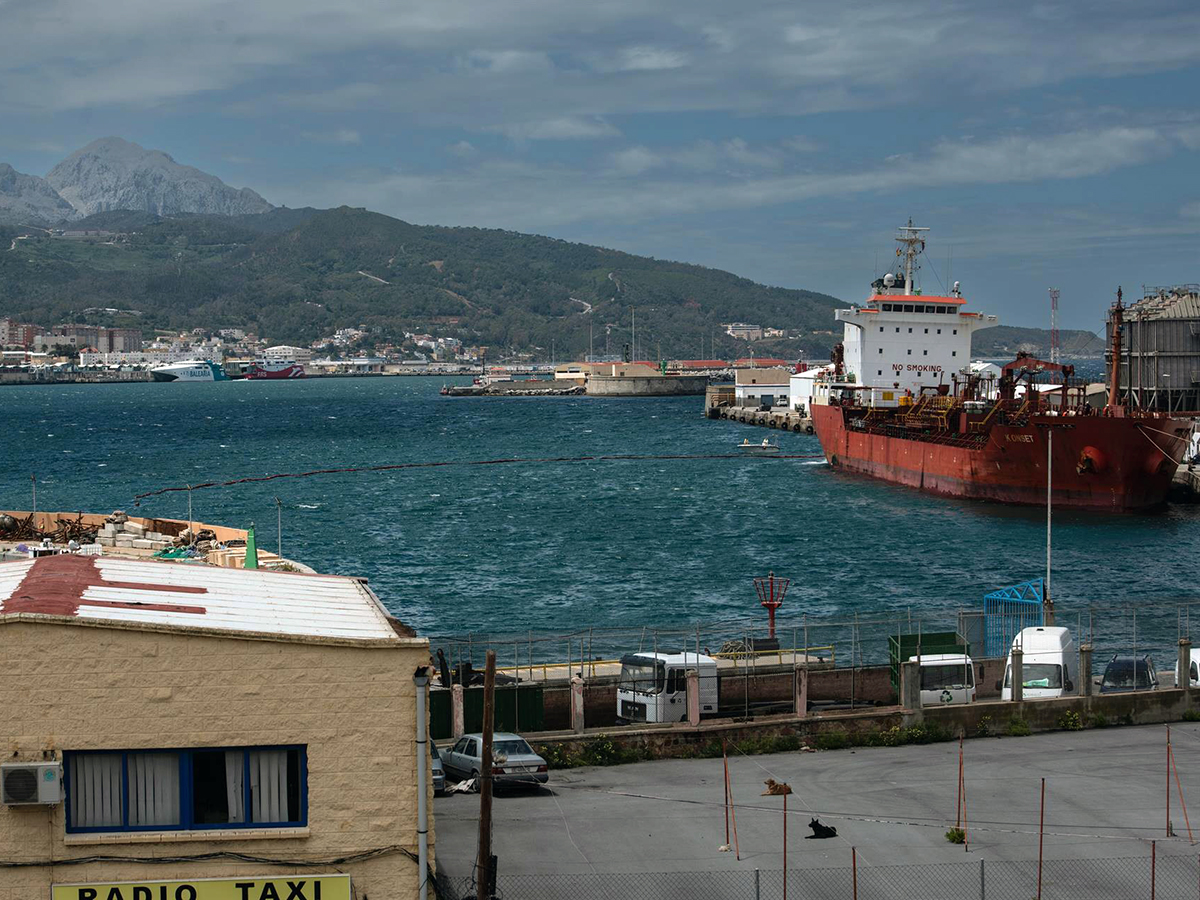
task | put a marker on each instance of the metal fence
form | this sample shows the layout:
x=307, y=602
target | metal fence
x=1136, y=628
x=1111, y=878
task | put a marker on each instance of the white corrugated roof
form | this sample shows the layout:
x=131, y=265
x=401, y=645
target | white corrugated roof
x=175, y=595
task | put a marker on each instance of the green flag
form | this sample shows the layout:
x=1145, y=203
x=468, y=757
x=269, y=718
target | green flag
x=251, y=550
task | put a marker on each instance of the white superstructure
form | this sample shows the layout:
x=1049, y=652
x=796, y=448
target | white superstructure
x=189, y=370
x=901, y=340
x=803, y=386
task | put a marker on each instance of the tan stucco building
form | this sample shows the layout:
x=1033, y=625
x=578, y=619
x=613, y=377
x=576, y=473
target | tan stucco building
x=196, y=710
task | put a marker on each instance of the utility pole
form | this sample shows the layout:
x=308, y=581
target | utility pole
x=279, y=528
x=1047, y=600
x=634, y=338
x=484, y=881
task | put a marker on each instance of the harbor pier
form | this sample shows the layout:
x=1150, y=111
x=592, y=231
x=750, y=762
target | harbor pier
x=720, y=403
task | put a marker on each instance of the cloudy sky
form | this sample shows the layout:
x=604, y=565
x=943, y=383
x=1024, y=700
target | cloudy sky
x=1044, y=143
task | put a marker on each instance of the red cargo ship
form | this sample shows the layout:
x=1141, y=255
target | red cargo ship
x=886, y=415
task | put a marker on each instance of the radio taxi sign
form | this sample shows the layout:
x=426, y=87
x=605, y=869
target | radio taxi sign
x=288, y=887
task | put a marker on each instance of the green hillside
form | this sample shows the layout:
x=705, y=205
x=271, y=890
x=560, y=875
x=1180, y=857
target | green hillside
x=296, y=275
x=1007, y=340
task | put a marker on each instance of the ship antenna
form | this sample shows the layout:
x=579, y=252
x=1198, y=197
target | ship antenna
x=909, y=237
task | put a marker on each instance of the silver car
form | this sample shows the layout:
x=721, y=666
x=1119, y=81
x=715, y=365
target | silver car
x=439, y=775
x=513, y=760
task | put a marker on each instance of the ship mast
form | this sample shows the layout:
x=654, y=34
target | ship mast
x=912, y=242
x=1114, y=381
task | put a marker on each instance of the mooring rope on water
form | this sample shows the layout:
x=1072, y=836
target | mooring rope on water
x=609, y=457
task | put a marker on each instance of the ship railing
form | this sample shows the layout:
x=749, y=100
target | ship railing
x=984, y=423
x=952, y=440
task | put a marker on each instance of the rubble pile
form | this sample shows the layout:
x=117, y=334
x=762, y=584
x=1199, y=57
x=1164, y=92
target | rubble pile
x=204, y=540
x=14, y=529
x=119, y=531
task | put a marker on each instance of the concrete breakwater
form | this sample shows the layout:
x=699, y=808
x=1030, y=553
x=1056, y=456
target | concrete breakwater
x=646, y=385
x=532, y=388
x=48, y=376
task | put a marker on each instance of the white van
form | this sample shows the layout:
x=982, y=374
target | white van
x=653, y=686
x=1193, y=679
x=946, y=678
x=1047, y=665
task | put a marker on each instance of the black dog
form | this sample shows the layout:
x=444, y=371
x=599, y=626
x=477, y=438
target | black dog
x=820, y=831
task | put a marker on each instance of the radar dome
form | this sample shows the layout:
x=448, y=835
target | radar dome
x=889, y=279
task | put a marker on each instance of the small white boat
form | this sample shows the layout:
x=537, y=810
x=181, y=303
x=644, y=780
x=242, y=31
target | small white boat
x=766, y=448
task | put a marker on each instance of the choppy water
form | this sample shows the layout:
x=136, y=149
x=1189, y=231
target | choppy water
x=560, y=546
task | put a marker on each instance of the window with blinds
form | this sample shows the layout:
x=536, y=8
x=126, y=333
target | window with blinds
x=177, y=790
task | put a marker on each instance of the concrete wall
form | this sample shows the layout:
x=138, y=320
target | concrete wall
x=81, y=687
x=1142, y=708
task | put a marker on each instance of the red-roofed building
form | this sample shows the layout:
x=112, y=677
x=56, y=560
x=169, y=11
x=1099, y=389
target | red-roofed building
x=762, y=362
x=188, y=716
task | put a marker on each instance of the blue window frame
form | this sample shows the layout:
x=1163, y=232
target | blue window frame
x=189, y=789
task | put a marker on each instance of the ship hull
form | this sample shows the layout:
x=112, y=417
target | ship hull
x=1097, y=462
x=266, y=372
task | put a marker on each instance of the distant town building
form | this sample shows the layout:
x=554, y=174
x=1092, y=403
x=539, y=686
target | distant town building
x=762, y=362
x=285, y=353
x=16, y=335
x=743, y=332
x=105, y=340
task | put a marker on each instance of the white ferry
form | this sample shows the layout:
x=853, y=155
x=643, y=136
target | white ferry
x=190, y=370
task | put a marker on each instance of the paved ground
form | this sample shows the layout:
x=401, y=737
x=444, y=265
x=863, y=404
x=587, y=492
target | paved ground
x=1105, y=797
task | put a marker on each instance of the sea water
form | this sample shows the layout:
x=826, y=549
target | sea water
x=567, y=546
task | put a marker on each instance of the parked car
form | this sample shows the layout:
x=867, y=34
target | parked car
x=513, y=760
x=439, y=774
x=1127, y=673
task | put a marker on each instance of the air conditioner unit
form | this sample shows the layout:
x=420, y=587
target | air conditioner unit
x=30, y=784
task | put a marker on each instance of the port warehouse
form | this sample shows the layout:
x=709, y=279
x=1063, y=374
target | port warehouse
x=195, y=711
x=1160, y=350
x=848, y=683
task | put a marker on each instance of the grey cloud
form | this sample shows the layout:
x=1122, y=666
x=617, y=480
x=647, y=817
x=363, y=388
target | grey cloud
x=772, y=56
x=335, y=136
x=564, y=128
x=545, y=197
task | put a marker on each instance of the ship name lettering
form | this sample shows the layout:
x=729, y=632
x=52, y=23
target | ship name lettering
x=1019, y=438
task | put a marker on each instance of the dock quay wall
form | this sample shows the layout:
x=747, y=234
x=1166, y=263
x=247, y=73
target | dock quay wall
x=720, y=403
x=785, y=420
x=45, y=377
x=646, y=386
x=847, y=728
x=754, y=686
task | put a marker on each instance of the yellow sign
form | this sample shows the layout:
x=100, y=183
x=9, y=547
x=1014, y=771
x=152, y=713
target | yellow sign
x=289, y=887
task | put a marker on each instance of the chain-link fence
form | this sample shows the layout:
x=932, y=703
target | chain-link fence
x=1166, y=877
